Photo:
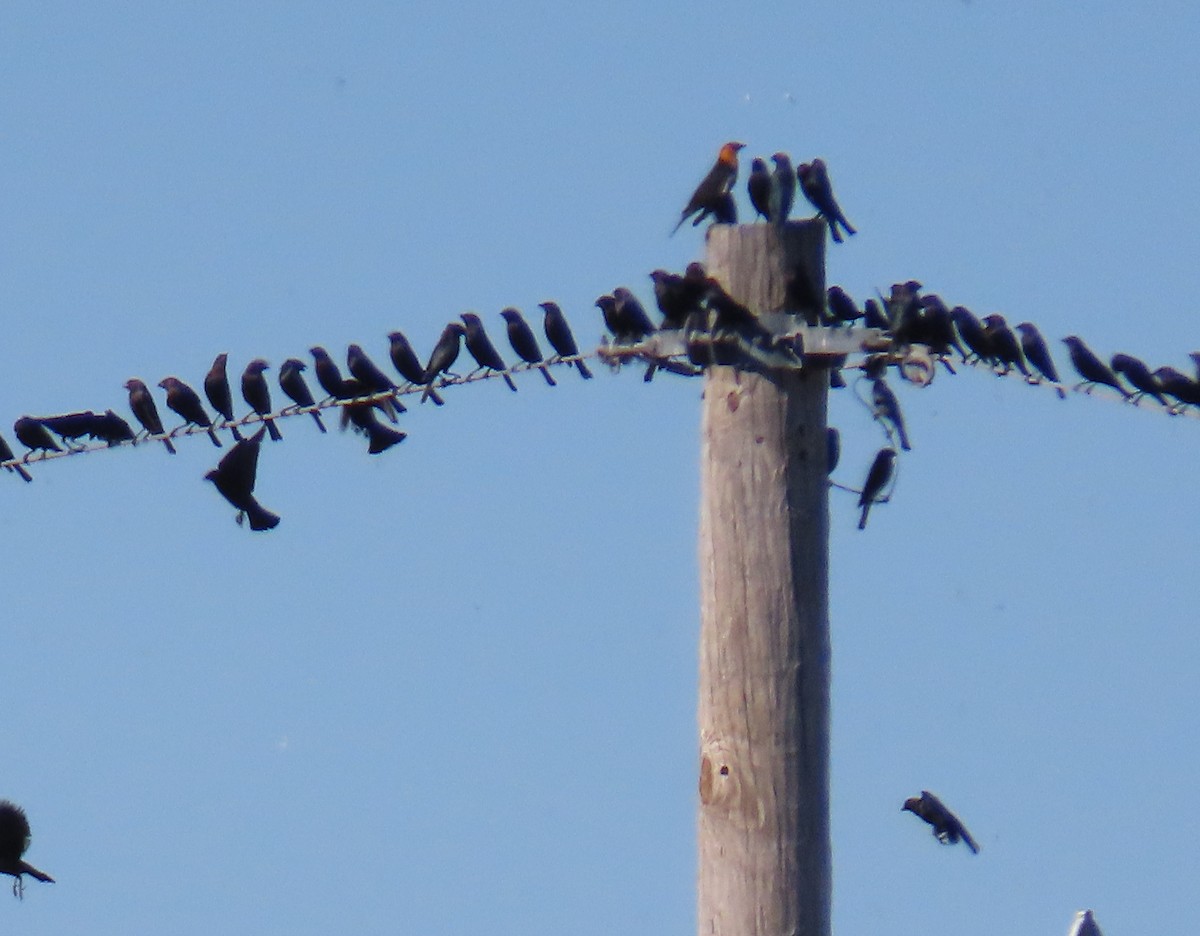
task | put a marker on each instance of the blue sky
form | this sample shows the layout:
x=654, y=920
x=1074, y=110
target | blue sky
x=456, y=688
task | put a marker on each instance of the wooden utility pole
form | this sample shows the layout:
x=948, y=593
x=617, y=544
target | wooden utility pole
x=764, y=849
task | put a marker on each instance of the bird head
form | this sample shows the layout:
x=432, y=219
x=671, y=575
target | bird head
x=470, y=319
x=549, y=306
x=510, y=314
x=729, y=152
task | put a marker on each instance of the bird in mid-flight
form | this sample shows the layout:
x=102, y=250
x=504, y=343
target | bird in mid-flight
x=947, y=828
x=235, y=477
x=14, y=840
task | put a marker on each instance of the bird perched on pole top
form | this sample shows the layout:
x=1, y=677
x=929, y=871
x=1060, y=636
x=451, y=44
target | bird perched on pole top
x=712, y=194
x=947, y=828
x=814, y=183
x=1084, y=924
x=784, y=190
x=759, y=186
x=14, y=840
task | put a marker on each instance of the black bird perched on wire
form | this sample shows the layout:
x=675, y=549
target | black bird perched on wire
x=141, y=402
x=632, y=314
x=185, y=401
x=887, y=408
x=759, y=186
x=524, y=342
x=677, y=296
x=407, y=364
x=380, y=438
x=815, y=184
x=443, y=356
x=33, y=435
x=70, y=426
x=874, y=316
x=1139, y=377
x=878, y=477
x=258, y=395
x=373, y=380
x=1036, y=352
x=7, y=455
x=111, y=428
x=561, y=338
x=14, y=842
x=713, y=194
x=481, y=348
x=216, y=388
x=972, y=332
x=1005, y=348
x=235, y=476
x=328, y=375
x=292, y=383
x=1091, y=368
x=1178, y=385
x=784, y=189
x=947, y=828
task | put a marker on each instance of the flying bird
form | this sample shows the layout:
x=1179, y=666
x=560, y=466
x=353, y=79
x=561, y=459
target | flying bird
x=481, y=348
x=185, y=401
x=362, y=415
x=713, y=194
x=141, y=402
x=784, y=190
x=1091, y=368
x=947, y=828
x=524, y=342
x=443, y=356
x=878, y=477
x=759, y=186
x=235, y=477
x=292, y=383
x=407, y=364
x=216, y=388
x=815, y=184
x=14, y=841
x=7, y=455
x=561, y=338
x=258, y=395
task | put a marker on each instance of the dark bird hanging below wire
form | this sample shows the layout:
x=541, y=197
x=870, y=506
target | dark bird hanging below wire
x=1138, y=374
x=815, y=184
x=947, y=828
x=185, y=401
x=561, y=338
x=14, y=842
x=141, y=402
x=887, y=408
x=759, y=186
x=482, y=349
x=1037, y=353
x=111, y=428
x=33, y=435
x=235, y=476
x=524, y=342
x=1091, y=368
x=373, y=380
x=216, y=388
x=712, y=195
x=380, y=438
x=7, y=455
x=878, y=477
x=443, y=356
x=1006, y=350
x=408, y=365
x=293, y=384
x=784, y=189
x=258, y=395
